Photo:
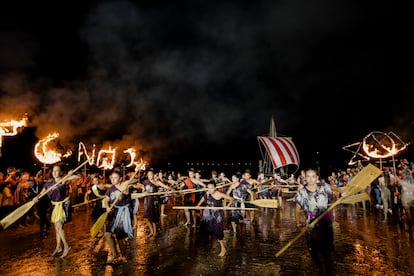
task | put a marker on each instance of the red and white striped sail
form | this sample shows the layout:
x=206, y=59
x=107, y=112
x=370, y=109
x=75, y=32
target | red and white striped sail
x=282, y=151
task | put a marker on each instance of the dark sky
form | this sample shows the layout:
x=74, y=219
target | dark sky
x=200, y=80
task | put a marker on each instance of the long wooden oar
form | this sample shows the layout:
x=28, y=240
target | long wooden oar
x=20, y=211
x=211, y=208
x=87, y=202
x=101, y=220
x=356, y=198
x=190, y=191
x=141, y=195
x=264, y=203
x=358, y=183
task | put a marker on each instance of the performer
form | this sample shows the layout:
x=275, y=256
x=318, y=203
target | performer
x=152, y=202
x=42, y=205
x=190, y=198
x=118, y=204
x=97, y=191
x=62, y=208
x=240, y=192
x=314, y=199
x=278, y=182
x=213, y=220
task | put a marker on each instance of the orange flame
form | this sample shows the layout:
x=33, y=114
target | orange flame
x=46, y=155
x=82, y=150
x=382, y=145
x=132, y=155
x=10, y=128
x=106, y=159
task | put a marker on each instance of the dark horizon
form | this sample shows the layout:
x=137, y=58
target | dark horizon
x=17, y=151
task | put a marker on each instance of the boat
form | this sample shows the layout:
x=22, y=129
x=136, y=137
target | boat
x=279, y=154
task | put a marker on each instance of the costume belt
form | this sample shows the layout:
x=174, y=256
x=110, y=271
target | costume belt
x=58, y=213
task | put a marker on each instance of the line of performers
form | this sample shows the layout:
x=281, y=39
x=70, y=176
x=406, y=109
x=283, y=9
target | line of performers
x=121, y=200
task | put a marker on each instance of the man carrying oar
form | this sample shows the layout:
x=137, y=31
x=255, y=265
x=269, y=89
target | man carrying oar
x=314, y=199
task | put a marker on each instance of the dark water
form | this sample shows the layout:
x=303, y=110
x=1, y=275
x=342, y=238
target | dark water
x=364, y=245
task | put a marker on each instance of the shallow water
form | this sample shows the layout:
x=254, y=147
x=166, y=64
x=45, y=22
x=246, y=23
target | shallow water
x=364, y=245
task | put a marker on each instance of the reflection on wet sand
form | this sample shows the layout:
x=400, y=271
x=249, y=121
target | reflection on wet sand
x=364, y=245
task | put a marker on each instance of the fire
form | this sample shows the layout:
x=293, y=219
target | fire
x=10, y=128
x=132, y=154
x=82, y=150
x=47, y=155
x=140, y=165
x=106, y=158
x=382, y=145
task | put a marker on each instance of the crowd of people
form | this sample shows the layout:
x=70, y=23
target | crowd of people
x=203, y=200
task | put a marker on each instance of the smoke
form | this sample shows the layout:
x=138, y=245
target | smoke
x=176, y=77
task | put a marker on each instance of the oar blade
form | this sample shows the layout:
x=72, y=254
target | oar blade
x=362, y=179
x=16, y=214
x=356, y=198
x=98, y=225
x=265, y=203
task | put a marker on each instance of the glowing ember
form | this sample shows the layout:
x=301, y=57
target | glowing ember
x=106, y=159
x=45, y=154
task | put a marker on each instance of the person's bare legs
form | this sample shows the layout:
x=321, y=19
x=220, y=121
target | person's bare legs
x=194, y=218
x=163, y=210
x=58, y=248
x=154, y=228
x=234, y=225
x=222, y=248
x=149, y=223
x=187, y=216
x=251, y=216
x=111, y=243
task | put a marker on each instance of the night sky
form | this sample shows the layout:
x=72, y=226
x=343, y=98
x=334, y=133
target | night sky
x=200, y=80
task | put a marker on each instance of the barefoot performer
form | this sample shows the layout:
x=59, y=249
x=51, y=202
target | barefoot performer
x=213, y=220
x=119, y=221
x=62, y=209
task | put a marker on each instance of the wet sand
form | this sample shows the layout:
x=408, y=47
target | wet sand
x=364, y=245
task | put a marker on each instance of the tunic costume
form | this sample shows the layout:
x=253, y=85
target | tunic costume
x=98, y=208
x=189, y=198
x=240, y=194
x=60, y=199
x=120, y=217
x=212, y=222
x=319, y=238
x=152, y=206
x=277, y=191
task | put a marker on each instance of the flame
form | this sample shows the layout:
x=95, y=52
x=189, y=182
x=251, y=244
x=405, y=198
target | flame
x=381, y=145
x=82, y=150
x=141, y=165
x=10, y=128
x=46, y=155
x=106, y=159
x=132, y=155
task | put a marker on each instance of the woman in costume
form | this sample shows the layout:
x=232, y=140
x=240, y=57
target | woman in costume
x=118, y=203
x=212, y=222
x=62, y=208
